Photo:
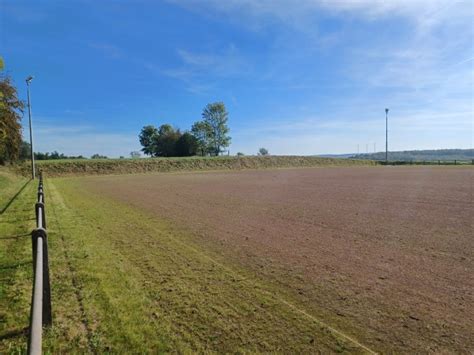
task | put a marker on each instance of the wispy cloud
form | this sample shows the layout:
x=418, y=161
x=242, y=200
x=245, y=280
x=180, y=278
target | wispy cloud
x=201, y=70
x=259, y=12
x=344, y=61
x=424, y=73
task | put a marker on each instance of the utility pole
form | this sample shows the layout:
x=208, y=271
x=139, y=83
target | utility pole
x=28, y=81
x=386, y=136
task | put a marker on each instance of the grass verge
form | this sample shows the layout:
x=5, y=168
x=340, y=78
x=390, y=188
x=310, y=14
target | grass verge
x=10, y=186
x=16, y=223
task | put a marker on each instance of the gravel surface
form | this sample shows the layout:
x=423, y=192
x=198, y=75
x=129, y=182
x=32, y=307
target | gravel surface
x=384, y=253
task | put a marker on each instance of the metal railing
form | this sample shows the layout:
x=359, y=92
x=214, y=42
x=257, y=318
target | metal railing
x=41, y=299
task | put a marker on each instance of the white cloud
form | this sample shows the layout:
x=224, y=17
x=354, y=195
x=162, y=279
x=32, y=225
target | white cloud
x=424, y=12
x=197, y=59
x=425, y=76
x=200, y=71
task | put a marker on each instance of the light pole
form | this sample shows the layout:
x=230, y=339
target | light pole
x=386, y=136
x=28, y=81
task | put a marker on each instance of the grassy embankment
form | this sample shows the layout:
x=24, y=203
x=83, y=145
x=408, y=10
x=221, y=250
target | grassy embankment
x=123, y=281
x=55, y=168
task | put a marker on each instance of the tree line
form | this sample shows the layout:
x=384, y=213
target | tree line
x=208, y=137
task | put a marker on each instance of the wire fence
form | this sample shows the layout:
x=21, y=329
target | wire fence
x=40, y=314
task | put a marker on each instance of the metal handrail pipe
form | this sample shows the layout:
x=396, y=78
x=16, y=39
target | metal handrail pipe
x=36, y=327
x=40, y=217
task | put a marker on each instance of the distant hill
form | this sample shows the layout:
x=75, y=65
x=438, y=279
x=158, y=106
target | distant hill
x=420, y=155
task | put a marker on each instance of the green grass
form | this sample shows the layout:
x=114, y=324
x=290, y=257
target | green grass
x=10, y=184
x=123, y=281
x=16, y=223
x=74, y=167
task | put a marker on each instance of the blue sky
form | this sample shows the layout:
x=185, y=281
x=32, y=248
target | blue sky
x=298, y=77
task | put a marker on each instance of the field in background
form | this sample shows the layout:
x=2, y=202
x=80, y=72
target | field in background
x=76, y=167
x=295, y=260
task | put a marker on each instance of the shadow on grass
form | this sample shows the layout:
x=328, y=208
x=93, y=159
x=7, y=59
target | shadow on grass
x=14, y=197
x=14, y=220
x=14, y=333
x=16, y=236
x=15, y=265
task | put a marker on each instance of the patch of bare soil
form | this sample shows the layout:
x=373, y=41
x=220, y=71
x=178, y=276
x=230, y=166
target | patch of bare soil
x=384, y=254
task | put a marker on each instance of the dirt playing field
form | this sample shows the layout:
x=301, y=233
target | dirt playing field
x=383, y=254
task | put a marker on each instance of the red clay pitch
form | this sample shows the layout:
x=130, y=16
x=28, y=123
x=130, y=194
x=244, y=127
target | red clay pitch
x=384, y=253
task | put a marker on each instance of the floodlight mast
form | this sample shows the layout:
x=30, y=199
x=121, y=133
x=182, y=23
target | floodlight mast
x=28, y=81
x=386, y=136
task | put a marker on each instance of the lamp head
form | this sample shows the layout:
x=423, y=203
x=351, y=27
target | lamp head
x=28, y=79
x=386, y=110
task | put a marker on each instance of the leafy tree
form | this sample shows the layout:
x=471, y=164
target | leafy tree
x=135, y=154
x=202, y=131
x=215, y=115
x=167, y=141
x=55, y=155
x=98, y=156
x=25, y=151
x=164, y=142
x=11, y=110
x=47, y=156
x=262, y=151
x=147, y=138
x=240, y=154
x=187, y=145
